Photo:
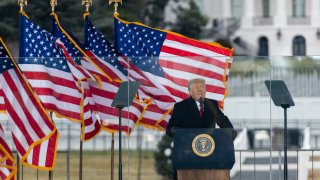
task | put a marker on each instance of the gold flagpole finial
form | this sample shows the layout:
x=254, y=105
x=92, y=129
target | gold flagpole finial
x=87, y=4
x=22, y=3
x=53, y=4
x=116, y=3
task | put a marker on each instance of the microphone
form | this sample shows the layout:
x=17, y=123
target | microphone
x=201, y=103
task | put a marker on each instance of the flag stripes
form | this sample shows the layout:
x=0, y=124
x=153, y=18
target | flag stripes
x=172, y=59
x=103, y=97
x=90, y=126
x=56, y=89
x=162, y=101
x=31, y=126
x=104, y=65
x=8, y=167
x=47, y=71
x=2, y=105
x=111, y=71
x=28, y=127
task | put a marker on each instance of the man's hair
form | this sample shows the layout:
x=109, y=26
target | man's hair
x=195, y=80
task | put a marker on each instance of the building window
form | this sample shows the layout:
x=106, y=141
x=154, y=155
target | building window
x=263, y=47
x=266, y=8
x=298, y=8
x=236, y=8
x=299, y=46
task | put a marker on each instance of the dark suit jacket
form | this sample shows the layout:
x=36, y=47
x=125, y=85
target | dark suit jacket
x=186, y=115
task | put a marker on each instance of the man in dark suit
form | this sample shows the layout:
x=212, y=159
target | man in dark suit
x=197, y=111
x=189, y=113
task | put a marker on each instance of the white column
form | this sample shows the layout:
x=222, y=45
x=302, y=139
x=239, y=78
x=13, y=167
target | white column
x=212, y=9
x=226, y=13
x=280, y=18
x=315, y=14
x=248, y=13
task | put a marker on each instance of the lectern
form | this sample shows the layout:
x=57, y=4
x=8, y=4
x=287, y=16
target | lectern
x=280, y=96
x=203, y=153
x=124, y=98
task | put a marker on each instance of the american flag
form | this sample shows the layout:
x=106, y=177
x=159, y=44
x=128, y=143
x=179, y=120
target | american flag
x=106, y=57
x=8, y=167
x=103, y=55
x=106, y=54
x=160, y=104
x=47, y=71
x=90, y=124
x=34, y=134
x=172, y=59
x=104, y=64
x=2, y=105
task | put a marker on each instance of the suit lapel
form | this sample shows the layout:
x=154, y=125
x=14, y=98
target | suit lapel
x=194, y=109
x=207, y=115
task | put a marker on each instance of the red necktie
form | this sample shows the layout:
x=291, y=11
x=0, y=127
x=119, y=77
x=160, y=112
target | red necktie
x=201, y=111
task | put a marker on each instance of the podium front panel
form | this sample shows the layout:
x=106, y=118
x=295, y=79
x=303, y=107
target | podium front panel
x=185, y=155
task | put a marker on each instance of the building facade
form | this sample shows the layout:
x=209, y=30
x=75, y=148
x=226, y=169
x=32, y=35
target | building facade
x=262, y=27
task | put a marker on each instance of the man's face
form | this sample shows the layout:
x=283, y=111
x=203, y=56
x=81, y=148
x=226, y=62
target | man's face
x=197, y=90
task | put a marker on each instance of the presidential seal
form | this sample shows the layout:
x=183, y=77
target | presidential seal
x=203, y=145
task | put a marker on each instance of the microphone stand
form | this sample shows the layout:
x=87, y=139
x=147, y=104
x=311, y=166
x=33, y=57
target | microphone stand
x=201, y=100
x=202, y=110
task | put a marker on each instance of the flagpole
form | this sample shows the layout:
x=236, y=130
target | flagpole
x=87, y=4
x=116, y=4
x=22, y=3
x=112, y=157
x=50, y=171
x=22, y=171
x=81, y=151
x=18, y=168
x=53, y=3
x=68, y=153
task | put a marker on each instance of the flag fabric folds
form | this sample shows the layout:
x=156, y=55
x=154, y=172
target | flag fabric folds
x=8, y=168
x=34, y=134
x=2, y=105
x=106, y=56
x=172, y=59
x=103, y=63
x=47, y=71
x=90, y=124
x=161, y=104
x=102, y=54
